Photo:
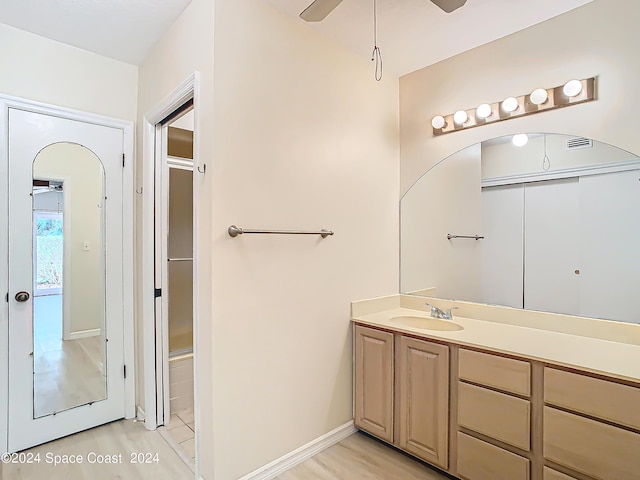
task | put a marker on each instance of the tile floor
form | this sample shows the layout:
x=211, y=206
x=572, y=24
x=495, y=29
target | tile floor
x=181, y=429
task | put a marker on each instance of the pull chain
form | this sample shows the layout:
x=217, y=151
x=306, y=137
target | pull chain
x=376, y=55
x=546, y=163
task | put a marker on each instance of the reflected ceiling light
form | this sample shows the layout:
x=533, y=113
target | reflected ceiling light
x=539, y=96
x=460, y=117
x=438, y=122
x=572, y=88
x=520, y=140
x=483, y=111
x=510, y=104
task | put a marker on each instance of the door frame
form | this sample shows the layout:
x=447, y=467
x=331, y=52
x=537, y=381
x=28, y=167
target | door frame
x=7, y=102
x=154, y=334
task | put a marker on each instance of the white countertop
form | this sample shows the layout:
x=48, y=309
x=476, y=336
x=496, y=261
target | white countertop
x=615, y=359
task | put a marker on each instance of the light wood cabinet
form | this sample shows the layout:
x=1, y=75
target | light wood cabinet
x=496, y=415
x=491, y=421
x=374, y=382
x=405, y=385
x=422, y=373
x=551, y=474
x=478, y=460
x=593, y=396
x=502, y=373
x=590, y=447
x=595, y=430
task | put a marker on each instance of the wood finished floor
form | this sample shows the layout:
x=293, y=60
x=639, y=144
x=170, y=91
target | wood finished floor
x=118, y=438
x=66, y=373
x=360, y=457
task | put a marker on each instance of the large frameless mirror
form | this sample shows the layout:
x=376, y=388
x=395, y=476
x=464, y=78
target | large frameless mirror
x=551, y=225
x=69, y=355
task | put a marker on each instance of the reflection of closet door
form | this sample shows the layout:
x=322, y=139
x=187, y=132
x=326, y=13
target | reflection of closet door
x=551, y=250
x=502, y=209
x=609, y=241
x=60, y=386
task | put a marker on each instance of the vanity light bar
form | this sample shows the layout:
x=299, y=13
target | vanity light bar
x=571, y=93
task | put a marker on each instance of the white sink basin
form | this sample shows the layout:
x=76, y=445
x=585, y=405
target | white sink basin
x=427, y=323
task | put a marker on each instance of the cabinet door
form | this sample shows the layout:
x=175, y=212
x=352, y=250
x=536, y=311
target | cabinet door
x=590, y=447
x=423, y=375
x=374, y=382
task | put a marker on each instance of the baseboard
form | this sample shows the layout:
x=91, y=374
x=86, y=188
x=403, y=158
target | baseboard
x=291, y=459
x=84, y=333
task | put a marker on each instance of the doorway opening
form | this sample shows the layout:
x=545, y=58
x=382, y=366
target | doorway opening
x=164, y=172
x=179, y=418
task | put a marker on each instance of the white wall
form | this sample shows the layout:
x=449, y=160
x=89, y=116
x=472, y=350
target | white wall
x=599, y=39
x=36, y=68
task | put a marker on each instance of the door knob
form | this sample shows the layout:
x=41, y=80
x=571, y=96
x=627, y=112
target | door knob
x=22, y=296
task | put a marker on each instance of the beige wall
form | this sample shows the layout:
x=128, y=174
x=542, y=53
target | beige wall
x=501, y=159
x=296, y=134
x=83, y=276
x=305, y=138
x=39, y=69
x=429, y=259
x=187, y=47
x=599, y=39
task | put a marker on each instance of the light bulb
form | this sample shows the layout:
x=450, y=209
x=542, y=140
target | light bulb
x=510, y=104
x=483, y=111
x=520, y=140
x=572, y=88
x=460, y=117
x=538, y=96
x=438, y=122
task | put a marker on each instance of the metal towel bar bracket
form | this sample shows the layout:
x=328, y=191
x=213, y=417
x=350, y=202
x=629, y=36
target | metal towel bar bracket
x=474, y=237
x=234, y=231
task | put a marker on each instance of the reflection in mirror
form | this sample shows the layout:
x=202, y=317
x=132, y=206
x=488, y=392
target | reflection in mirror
x=69, y=357
x=560, y=222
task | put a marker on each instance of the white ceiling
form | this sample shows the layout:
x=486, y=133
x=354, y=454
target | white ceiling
x=125, y=30
x=413, y=34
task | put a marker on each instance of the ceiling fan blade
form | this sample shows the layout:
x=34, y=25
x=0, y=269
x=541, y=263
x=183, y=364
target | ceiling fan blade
x=449, y=5
x=319, y=9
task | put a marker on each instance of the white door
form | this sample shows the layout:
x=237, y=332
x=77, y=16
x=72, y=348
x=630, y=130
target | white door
x=610, y=264
x=65, y=382
x=551, y=251
x=502, y=247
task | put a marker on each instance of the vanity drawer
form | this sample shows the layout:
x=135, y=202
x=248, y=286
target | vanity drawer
x=498, y=372
x=592, y=396
x=478, y=460
x=550, y=474
x=494, y=414
x=590, y=447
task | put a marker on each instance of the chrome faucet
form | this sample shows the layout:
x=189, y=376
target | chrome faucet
x=443, y=314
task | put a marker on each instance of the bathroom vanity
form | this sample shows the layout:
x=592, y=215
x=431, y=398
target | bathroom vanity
x=498, y=393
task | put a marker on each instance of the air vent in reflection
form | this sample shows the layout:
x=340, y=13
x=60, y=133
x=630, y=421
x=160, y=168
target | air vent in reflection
x=579, y=142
